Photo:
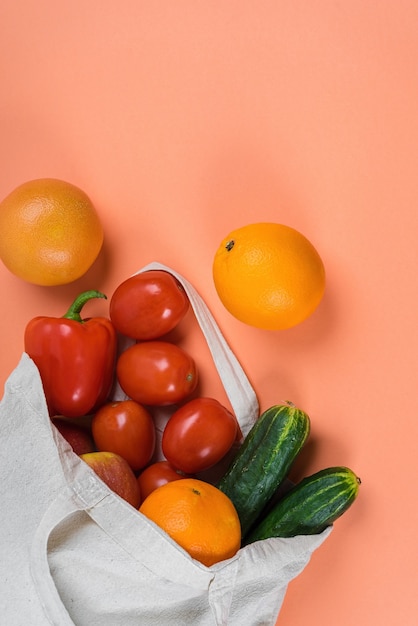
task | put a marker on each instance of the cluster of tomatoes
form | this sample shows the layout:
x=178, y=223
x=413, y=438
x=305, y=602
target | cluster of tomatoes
x=155, y=372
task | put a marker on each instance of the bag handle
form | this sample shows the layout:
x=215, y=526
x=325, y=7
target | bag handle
x=51, y=602
x=235, y=382
x=89, y=494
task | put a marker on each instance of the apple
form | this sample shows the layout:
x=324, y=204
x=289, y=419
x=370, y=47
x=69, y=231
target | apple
x=78, y=436
x=116, y=473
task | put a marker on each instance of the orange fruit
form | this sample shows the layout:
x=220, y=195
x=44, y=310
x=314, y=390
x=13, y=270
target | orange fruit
x=268, y=275
x=198, y=516
x=50, y=233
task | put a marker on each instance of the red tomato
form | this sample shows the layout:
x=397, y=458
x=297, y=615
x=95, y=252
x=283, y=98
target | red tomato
x=155, y=476
x=148, y=305
x=198, y=435
x=125, y=428
x=156, y=373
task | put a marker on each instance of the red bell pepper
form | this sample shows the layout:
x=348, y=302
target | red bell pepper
x=75, y=358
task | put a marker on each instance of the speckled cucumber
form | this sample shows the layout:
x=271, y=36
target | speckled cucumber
x=263, y=461
x=310, y=506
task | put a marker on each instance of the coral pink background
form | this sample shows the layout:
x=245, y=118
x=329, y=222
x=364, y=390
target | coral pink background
x=183, y=120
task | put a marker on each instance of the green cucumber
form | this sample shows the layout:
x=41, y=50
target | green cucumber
x=310, y=506
x=263, y=461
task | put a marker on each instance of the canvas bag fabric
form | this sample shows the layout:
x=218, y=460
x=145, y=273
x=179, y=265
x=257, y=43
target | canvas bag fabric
x=73, y=553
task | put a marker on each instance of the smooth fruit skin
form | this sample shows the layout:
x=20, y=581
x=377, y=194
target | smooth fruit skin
x=126, y=428
x=116, y=473
x=50, y=232
x=157, y=475
x=156, y=373
x=79, y=437
x=268, y=275
x=198, y=435
x=75, y=357
x=148, y=305
x=199, y=517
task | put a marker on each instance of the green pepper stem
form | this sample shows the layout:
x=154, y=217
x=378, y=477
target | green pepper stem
x=73, y=312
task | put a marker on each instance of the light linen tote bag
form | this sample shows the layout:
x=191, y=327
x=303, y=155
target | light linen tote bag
x=73, y=553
